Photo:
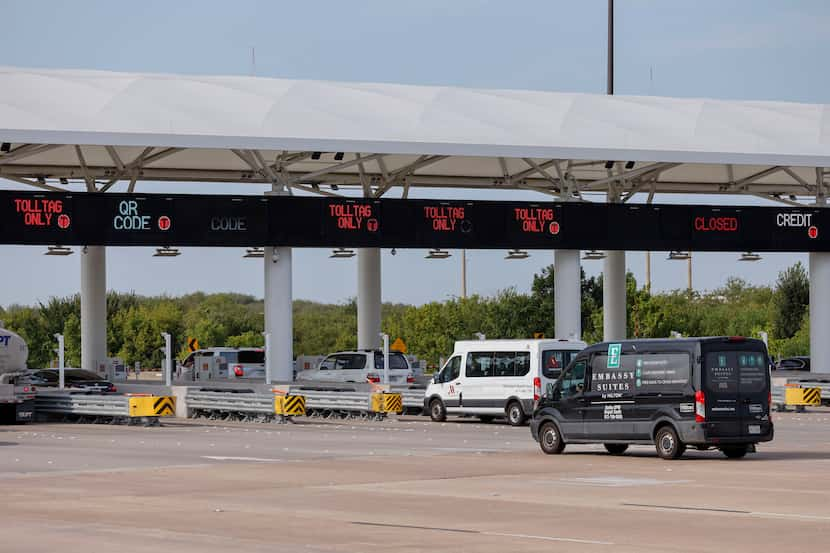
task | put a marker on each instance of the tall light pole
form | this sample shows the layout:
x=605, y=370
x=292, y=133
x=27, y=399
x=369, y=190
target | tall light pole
x=464, y=274
x=610, y=78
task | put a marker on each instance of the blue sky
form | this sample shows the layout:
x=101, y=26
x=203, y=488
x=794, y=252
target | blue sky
x=737, y=49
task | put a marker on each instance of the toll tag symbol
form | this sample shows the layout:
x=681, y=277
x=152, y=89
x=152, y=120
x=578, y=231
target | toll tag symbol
x=554, y=227
x=164, y=222
x=372, y=225
x=812, y=232
x=63, y=221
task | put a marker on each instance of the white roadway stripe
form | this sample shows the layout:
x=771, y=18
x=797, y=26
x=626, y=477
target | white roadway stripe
x=548, y=538
x=789, y=515
x=249, y=459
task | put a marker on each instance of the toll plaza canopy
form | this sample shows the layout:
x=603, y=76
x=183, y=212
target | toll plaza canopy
x=99, y=128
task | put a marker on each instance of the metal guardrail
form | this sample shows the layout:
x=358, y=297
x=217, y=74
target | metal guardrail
x=226, y=405
x=413, y=400
x=823, y=385
x=104, y=407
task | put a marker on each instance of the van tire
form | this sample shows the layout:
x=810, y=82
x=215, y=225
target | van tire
x=437, y=411
x=668, y=444
x=734, y=451
x=616, y=449
x=515, y=414
x=550, y=439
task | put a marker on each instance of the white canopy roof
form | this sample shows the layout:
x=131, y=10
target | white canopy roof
x=106, y=126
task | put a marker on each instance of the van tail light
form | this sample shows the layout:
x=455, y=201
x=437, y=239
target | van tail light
x=537, y=388
x=113, y=389
x=373, y=378
x=769, y=402
x=237, y=370
x=700, y=406
x=410, y=379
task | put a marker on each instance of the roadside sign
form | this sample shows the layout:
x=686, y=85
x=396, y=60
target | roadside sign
x=614, y=351
x=538, y=335
x=192, y=344
x=398, y=345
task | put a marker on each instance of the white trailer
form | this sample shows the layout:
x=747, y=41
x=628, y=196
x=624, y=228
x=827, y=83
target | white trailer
x=17, y=395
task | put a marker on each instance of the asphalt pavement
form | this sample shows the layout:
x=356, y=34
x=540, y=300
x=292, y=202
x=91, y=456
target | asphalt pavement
x=400, y=485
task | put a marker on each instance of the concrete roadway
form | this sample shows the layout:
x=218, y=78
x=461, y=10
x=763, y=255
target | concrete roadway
x=400, y=485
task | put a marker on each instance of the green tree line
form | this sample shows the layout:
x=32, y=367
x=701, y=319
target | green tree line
x=135, y=323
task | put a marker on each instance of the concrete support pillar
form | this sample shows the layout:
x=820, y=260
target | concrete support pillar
x=93, y=307
x=279, y=321
x=567, y=290
x=820, y=312
x=368, y=298
x=613, y=296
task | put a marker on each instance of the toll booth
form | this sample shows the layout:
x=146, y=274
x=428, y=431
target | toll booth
x=210, y=367
x=112, y=369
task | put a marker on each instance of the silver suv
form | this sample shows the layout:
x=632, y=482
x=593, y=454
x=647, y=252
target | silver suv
x=359, y=366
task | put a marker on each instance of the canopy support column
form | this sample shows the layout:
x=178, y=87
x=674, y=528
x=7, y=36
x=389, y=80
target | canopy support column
x=368, y=298
x=93, y=307
x=820, y=301
x=567, y=292
x=279, y=323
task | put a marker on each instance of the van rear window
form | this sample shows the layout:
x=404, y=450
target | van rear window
x=734, y=371
x=554, y=360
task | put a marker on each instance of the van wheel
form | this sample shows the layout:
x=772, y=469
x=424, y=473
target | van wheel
x=734, y=451
x=515, y=414
x=668, y=444
x=550, y=440
x=437, y=411
x=486, y=418
x=616, y=449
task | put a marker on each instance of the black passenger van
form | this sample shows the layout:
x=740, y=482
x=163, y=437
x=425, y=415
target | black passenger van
x=699, y=392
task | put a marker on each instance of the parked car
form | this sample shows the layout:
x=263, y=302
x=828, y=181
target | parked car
x=77, y=379
x=358, y=367
x=798, y=363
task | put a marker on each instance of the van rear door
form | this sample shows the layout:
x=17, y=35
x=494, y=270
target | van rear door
x=736, y=388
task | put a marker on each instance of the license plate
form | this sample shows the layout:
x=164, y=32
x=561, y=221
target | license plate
x=754, y=428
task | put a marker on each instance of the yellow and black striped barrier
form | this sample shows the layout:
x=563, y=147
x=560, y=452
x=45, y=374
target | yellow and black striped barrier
x=387, y=403
x=153, y=406
x=802, y=396
x=289, y=405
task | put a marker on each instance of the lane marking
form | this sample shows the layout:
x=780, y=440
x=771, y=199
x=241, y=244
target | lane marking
x=549, y=538
x=683, y=508
x=411, y=527
x=249, y=459
x=484, y=533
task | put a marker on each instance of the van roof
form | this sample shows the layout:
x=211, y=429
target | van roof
x=684, y=340
x=523, y=342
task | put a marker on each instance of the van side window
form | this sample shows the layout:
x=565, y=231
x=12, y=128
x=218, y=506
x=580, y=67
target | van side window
x=327, y=364
x=504, y=363
x=479, y=364
x=522, y=363
x=573, y=383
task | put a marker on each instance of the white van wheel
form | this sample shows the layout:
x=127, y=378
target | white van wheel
x=515, y=414
x=437, y=411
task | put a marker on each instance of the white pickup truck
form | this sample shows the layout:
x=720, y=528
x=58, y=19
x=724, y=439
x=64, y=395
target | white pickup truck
x=17, y=395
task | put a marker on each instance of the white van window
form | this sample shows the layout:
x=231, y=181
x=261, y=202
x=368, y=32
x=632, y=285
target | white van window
x=554, y=360
x=451, y=370
x=479, y=364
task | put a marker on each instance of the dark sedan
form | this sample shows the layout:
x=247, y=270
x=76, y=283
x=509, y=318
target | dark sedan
x=76, y=379
x=798, y=363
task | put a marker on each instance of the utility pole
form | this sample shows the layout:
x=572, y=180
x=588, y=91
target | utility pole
x=610, y=78
x=464, y=274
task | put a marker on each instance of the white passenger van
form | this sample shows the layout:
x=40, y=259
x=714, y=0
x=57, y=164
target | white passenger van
x=492, y=378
